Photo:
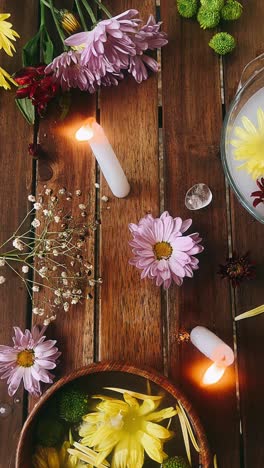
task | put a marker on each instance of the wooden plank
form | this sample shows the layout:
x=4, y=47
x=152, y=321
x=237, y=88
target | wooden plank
x=69, y=164
x=192, y=122
x=15, y=167
x=248, y=236
x=130, y=320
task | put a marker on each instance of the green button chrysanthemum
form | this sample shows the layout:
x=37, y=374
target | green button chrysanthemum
x=208, y=18
x=232, y=11
x=176, y=462
x=213, y=4
x=222, y=43
x=187, y=8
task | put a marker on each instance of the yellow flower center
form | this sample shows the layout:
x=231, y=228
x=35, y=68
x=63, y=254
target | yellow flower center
x=26, y=358
x=132, y=422
x=162, y=250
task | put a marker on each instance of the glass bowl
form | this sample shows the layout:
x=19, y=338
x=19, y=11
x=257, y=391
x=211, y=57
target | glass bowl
x=249, y=98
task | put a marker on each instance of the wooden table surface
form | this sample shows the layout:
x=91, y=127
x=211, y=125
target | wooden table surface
x=166, y=141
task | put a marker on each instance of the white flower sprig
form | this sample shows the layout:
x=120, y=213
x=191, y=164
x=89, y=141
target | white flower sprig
x=53, y=252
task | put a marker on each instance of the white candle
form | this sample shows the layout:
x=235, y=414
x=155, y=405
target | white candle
x=212, y=346
x=105, y=156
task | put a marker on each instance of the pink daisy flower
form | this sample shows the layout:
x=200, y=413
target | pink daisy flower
x=31, y=358
x=162, y=252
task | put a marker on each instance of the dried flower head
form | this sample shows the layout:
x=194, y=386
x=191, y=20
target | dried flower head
x=258, y=194
x=237, y=269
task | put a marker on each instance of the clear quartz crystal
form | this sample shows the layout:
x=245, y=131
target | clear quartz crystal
x=5, y=410
x=198, y=196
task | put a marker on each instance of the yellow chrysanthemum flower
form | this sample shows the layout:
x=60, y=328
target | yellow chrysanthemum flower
x=4, y=76
x=250, y=145
x=127, y=428
x=50, y=457
x=6, y=33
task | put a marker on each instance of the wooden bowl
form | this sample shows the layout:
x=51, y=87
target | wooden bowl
x=118, y=374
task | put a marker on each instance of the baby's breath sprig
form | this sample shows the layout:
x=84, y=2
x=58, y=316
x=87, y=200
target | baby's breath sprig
x=54, y=250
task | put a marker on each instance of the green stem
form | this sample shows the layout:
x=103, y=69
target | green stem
x=60, y=32
x=42, y=14
x=89, y=11
x=81, y=15
x=48, y=5
x=103, y=8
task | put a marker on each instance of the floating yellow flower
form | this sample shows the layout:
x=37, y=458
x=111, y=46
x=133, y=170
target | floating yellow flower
x=6, y=33
x=127, y=428
x=4, y=76
x=50, y=457
x=250, y=145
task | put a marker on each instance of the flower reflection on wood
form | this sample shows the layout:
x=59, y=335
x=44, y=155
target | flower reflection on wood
x=54, y=249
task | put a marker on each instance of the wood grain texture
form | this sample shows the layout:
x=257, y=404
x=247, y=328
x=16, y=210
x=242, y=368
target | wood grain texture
x=192, y=120
x=15, y=167
x=248, y=236
x=67, y=163
x=71, y=165
x=130, y=320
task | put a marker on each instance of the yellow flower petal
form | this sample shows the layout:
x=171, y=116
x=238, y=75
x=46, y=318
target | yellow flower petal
x=156, y=430
x=241, y=133
x=152, y=446
x=260, y=115
x=112, y=407
x=109, y=442
x=162, y=414
x=90, y=453
x=7, y=34
x=250, y=313
x=140, y=396
x=136, y=454
x=120, y=456
x=147, y=407
x=249, y=126
x=4, y=76
x=131, y=401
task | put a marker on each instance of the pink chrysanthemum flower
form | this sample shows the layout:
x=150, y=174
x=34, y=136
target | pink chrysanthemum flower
x=29, y=359
x=102, y=54
x=108, y=44
x=162, y=252
x=70, y=73
x=148, y=37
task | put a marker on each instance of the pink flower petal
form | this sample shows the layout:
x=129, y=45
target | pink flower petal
x=15, y=380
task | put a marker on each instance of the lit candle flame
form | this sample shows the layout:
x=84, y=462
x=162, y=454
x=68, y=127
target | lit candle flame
x=86, y=132
x=213, y=374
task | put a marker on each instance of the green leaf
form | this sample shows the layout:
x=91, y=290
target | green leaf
x=47, y=46
x=30, y=52
x=40, y=44
x=27, y=109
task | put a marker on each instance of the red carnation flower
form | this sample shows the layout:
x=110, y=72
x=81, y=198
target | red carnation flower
x=259, y=194
x=36, y=86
